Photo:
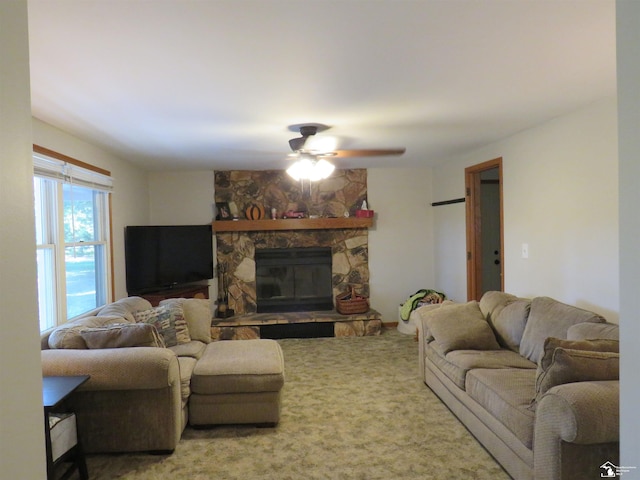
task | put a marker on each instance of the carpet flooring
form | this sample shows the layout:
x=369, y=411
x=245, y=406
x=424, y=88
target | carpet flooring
x=352, y=408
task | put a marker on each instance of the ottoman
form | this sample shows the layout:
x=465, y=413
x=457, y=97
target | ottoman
x=237, y=381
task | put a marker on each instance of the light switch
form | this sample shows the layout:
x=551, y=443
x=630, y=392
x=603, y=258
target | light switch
x=525, y=250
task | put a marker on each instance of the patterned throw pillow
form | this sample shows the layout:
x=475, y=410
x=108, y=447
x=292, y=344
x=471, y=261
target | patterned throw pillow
x=169, y=321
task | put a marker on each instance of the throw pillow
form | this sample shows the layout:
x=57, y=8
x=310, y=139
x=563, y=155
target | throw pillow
x=421, y=313
x=461, y=327
x=169, y=322
x=550, y=318
x=551, y=343
x=122, y=335
x=568, y=366
x=595, y=345
x=197, y=313
x=69, y=334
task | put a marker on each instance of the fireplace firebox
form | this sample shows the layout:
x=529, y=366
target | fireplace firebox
x=293, y=279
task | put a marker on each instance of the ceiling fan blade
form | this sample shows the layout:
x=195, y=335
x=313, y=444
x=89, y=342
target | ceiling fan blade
x=297, y=143
x=368, y=153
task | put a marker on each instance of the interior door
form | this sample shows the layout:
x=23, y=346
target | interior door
x=485, y=266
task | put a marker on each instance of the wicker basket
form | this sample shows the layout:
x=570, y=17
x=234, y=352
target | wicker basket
x=349, y=303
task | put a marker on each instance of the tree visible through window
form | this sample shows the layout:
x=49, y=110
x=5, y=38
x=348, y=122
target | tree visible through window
x=72, y=233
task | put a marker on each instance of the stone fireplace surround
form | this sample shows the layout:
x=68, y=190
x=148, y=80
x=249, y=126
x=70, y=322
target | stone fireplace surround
x=342, y=193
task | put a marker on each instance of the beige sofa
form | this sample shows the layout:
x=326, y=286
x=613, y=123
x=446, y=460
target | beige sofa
x=141, y=361
x=528, y=380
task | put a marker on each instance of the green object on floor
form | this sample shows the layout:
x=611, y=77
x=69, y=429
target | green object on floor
x=413, y=301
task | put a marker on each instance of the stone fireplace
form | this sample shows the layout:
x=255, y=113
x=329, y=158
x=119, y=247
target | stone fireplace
x=338, y=196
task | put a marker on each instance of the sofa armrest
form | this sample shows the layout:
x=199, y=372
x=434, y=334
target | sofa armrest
x=135, y=368
x=419, y=316
x=582, y=413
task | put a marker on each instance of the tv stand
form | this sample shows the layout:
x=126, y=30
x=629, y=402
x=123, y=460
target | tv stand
x=186, y=291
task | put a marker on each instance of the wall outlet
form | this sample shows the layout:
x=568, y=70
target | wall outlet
x=525, y=250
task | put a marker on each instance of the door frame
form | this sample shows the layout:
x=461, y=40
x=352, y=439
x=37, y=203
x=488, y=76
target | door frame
x=474, y=226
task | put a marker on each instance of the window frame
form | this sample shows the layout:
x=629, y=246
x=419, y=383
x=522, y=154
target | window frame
x=57, y=244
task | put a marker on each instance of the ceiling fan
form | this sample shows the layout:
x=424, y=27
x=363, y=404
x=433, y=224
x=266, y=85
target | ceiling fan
x=311, y=163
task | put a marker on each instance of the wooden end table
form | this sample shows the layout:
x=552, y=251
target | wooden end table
x=55, y=390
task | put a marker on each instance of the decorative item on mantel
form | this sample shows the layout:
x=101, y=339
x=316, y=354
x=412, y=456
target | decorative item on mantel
x=254, y=212
x=350, y=303
x=293, y=214
x=364, y=211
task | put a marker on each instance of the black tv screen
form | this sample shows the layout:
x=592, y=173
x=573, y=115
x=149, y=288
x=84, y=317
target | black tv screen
x=160, y=257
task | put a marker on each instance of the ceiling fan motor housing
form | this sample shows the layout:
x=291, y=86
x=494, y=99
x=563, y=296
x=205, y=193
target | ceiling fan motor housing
x=306, y=131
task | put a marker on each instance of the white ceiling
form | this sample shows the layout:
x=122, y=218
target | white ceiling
x=186, y=84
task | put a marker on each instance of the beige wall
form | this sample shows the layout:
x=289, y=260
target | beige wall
x=22, y=452
x=130, y=199
x=560, y=184
x=401, y=241
x=628, y=40
x=183, y=198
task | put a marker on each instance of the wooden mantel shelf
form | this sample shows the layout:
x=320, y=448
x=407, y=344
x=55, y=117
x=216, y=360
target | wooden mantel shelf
x=291, y=224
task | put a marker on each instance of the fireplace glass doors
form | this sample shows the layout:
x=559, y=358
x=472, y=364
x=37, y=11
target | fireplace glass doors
x=293, y=279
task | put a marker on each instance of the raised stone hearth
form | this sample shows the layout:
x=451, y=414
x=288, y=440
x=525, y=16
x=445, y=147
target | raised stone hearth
x=330, y=323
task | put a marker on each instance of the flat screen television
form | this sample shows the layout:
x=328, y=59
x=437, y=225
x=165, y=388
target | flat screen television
x=161, y=257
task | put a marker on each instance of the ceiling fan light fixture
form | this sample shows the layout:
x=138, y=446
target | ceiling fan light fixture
x=323, y=169
x=309, y=168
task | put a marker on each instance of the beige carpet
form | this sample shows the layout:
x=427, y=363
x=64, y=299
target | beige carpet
x=353, y=408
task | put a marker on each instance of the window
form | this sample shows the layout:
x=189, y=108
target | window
x=72, y=237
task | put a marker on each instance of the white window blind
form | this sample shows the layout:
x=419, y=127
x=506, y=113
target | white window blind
x=61, y=171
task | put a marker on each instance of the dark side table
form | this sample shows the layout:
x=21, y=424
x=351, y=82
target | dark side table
x=55, y=390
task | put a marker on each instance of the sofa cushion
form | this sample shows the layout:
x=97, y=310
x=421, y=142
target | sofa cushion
x=122, y=335
x=456, y=364
x=582, y=331
x=509, y=323
x=197, y=313
x=504, y=358
x=193, y=349
x=461, y=327
x=169, y=321
x=568, y=366
x=550, y=318
x=245, y=366
x=492, y=302
x=69, y=334
x=126, y=307
x=187, y=364
x=506, y=395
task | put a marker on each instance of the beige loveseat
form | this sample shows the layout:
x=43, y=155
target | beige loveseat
x=529, y=380
x=142, y=359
